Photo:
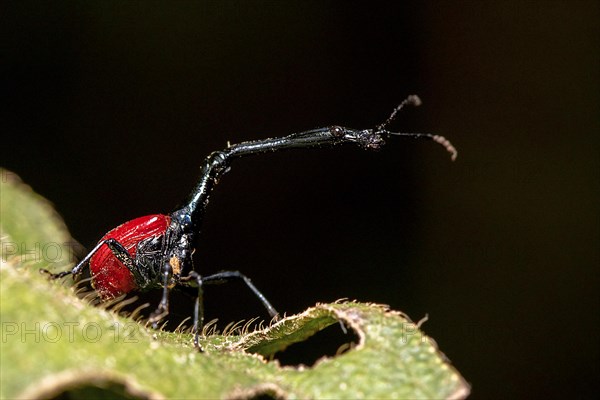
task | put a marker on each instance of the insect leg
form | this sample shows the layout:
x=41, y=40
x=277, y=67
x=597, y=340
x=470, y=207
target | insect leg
x=163, y=307
x=226, y=276
x=198, y=307
x=121, y=253
x=117, y=248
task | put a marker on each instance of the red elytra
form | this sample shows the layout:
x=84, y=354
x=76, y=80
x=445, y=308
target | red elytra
x=110, y=278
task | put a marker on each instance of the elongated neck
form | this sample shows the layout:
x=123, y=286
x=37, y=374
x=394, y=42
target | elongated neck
x=213, y=167
x=218, y=162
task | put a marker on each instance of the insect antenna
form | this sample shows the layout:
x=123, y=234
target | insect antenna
x=414, y=100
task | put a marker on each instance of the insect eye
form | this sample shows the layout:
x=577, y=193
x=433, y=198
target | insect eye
x=337, y=131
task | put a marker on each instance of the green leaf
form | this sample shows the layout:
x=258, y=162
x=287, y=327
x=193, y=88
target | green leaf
x=53, y=342
x=30, y=229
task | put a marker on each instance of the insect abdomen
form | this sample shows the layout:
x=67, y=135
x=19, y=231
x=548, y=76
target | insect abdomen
x=110, y=278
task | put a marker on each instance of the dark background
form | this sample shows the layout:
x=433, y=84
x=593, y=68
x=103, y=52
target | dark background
x=109, y=109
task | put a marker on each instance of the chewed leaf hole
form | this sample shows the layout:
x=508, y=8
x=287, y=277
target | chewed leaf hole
x=329, y=342
x=265, y=391
x=264, y=396
x=116, y=392
x=85, y=385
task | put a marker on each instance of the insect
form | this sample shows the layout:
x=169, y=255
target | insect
x=155, y=251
